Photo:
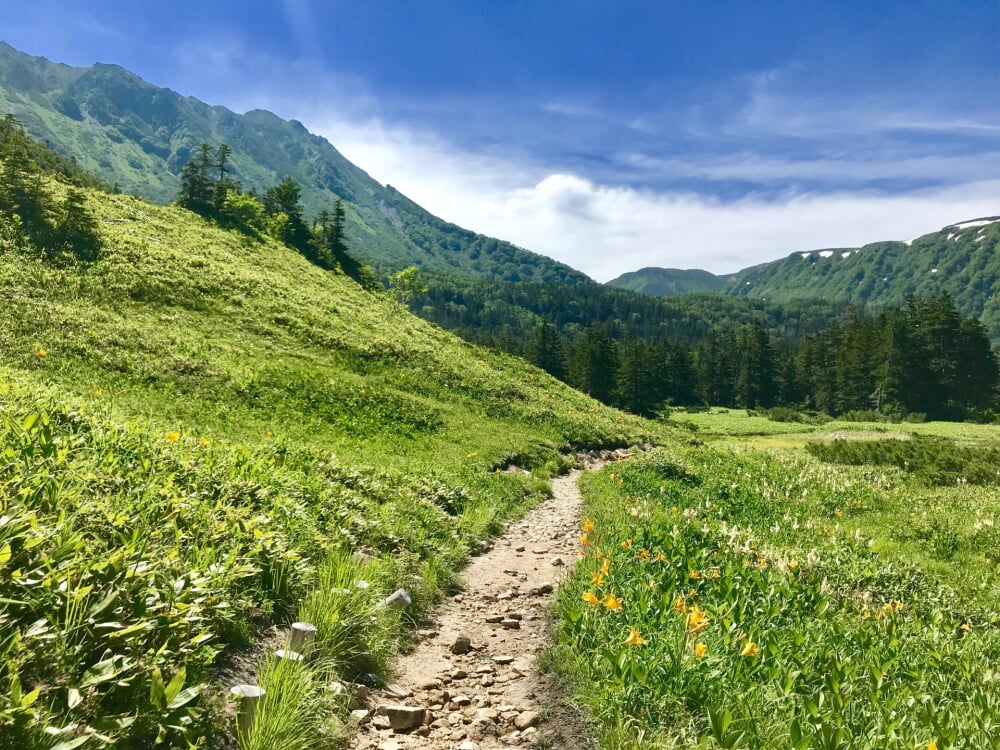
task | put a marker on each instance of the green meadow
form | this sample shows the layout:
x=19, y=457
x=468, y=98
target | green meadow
x=789, y=585
x=204, y=438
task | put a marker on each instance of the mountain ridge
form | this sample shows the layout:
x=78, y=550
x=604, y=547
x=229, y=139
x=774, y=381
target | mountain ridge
x=961, y=259
x=137, y=135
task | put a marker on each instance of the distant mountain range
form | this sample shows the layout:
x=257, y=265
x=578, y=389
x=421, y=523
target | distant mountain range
x=138, y=136
x=962, y=260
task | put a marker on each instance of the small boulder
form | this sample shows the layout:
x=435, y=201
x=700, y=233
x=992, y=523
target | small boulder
x=461, y=645
x=403, y=718
x=527, y=719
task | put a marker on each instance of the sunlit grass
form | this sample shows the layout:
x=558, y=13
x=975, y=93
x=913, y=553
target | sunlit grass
x=783, y=603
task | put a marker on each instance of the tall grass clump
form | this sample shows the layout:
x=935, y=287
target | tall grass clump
x=296, y=711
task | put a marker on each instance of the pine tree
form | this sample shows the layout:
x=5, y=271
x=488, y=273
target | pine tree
x=197, y=191
x=76, y=232
x=546, y=350
x=595, y=363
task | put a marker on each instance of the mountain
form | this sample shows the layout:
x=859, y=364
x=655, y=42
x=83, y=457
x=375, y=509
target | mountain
x=138, y=136
x=669, y=282
x=962, y=260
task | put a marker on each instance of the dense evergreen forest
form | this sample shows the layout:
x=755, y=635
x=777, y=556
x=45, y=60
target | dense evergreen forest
x=642, y=353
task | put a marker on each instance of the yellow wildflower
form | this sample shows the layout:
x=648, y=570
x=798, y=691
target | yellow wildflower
x=716, y=573
x=597, y=578
x=932, y=745
x=591, y=598
x=792, y=565
x=694, y=574
x=41, y=352
x=612, y=602
x=644, y=555
x=679, y=605
x=699, y=650
x=173, y=437
x=660, y=557
x=203, y=442
x=634, y=639
x=750, y=649
x=588, y=525
x=627, y=544
x=697, y=620
x=606, y=566
x=585, y=540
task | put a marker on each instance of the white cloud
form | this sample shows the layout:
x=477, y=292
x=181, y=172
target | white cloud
x=605, y=230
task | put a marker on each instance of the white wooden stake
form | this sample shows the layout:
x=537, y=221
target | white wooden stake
x=247, y=697
x=301, y=637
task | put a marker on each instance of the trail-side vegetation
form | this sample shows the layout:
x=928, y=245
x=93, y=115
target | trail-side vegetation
x=748, y=599
x=204, y=437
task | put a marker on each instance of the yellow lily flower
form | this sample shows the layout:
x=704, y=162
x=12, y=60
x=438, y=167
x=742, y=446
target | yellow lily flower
x=634, y=639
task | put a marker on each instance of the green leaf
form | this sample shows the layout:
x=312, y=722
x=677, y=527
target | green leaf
x=103, y=671
x=100, y=607
x=157, y=693
x=185, y=696
x=74, y=699
x=5, y=554
x=15, y=689
x=73, y=743
x=176, y=684
x=30, y=698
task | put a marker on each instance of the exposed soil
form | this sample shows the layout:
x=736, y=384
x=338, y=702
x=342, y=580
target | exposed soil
x=492, y=695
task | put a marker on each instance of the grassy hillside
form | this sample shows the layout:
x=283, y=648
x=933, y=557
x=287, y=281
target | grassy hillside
x=669, y=282
x=196, y=432
x=138, y=136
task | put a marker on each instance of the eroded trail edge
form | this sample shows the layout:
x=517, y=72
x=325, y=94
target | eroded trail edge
x=472, y=681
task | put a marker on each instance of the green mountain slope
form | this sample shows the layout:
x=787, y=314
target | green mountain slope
x=669, y=282
x=197, y=431
x=138, y=136
x=962, y=260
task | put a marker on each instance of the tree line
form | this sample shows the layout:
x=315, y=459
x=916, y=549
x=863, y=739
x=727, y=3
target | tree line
x=924, y=358
x=208, y=187
x=33, y=214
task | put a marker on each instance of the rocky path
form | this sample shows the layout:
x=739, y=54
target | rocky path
x=471, y=683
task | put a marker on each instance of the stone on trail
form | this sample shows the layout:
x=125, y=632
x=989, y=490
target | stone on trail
x=402, y=718
x=556, y=562
x=511, y=624
x=503, y=659
x=545, y=588
x=527, y=719
x=398, y=691
x=461, y=645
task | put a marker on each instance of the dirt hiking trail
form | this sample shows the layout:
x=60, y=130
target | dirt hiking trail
x=471, y=682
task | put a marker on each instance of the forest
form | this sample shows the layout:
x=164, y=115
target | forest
x=642, y=354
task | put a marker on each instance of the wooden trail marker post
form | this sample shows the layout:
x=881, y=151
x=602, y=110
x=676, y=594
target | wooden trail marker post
x=247, y=697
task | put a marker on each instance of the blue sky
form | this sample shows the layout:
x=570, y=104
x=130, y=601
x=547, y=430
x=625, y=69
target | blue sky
x=611, y=135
